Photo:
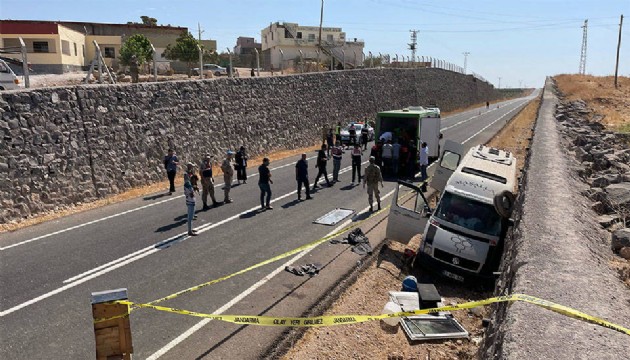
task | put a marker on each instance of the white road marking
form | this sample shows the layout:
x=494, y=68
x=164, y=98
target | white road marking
x=183, y=336
x=140, y=254
x=115, y=215
x=492, y=123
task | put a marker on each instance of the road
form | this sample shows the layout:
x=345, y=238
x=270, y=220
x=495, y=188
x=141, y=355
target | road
x=48, y=271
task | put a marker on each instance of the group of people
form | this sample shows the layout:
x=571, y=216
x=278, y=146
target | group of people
x=238, y=162
x=206, y=177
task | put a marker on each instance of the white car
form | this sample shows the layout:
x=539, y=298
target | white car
x=211, y=69
x=8, y=79
x=345, y=133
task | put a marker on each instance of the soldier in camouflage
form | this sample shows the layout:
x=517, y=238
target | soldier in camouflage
x=372, y=177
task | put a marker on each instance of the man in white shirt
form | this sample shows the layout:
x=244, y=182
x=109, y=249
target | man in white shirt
x=386, y=136
x=423, y=161
x=387, y=154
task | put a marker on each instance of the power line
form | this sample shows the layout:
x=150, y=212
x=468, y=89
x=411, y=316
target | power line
x=582, y=69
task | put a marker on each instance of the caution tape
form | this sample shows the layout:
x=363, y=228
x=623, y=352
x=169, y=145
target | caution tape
x=333, y=320
x=255, y=266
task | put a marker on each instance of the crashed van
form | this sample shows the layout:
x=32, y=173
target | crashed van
x=464, y=236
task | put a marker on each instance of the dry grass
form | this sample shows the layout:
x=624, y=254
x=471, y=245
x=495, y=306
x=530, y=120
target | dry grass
x=515, y=136
x=133, y=193
x=600, y=94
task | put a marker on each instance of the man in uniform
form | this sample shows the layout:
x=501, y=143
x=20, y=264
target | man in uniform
x=337, y=154
x=228, y=174
x=207, y=182
x=372, y=177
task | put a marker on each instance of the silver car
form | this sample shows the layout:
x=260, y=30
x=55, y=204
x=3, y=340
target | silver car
x=211, y=69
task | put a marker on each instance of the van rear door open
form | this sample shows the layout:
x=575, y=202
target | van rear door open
x=407, y=216
x=430, y=133
x=449, y=160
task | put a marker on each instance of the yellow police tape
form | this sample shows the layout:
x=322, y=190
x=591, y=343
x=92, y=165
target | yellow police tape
x=331, y=320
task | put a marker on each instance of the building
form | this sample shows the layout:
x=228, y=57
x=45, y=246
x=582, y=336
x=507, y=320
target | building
x=245, y=52
x=62, y=46
x=282, y=43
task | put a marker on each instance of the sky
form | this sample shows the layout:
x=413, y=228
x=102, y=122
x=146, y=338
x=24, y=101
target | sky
x=516, y=43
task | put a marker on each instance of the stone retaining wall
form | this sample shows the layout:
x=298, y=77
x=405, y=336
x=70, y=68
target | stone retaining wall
x=65, y=145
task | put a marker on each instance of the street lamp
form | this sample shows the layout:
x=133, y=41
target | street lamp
x=231, y=67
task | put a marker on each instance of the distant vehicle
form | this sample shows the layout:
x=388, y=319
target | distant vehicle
x=358, y=126
x=465, y=234
x=415, y=123
x=211, y=69
x=8, y=79
x=433, y=107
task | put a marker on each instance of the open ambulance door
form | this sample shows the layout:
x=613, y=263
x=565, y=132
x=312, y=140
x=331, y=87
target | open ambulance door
x=448, y=162
x=407, y=215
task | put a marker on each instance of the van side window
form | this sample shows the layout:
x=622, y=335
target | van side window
x=3, y=69
x=450, y=160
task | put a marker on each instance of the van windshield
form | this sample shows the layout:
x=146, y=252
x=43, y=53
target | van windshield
x=471, y=214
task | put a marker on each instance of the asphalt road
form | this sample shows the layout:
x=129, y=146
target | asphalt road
x=48, y=271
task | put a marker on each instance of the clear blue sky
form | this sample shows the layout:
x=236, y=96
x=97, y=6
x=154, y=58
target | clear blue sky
x=519, y=41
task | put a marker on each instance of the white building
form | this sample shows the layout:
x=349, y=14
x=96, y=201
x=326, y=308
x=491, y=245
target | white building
x=282, y=42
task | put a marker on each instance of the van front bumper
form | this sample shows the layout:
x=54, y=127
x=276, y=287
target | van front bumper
x=427, y=262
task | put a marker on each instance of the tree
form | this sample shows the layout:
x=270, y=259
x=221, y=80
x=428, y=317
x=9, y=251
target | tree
x=139, y=46
x=146, y=20
x=184, y=50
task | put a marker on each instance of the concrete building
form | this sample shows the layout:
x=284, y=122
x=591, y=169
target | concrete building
x=246, y=46
x=282, y=43
x=62, y=46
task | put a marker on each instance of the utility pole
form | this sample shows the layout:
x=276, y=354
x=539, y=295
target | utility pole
x=618, y=47
x=413, y=46
x=499, y=82
x=582, y=69
x=465, y=53
x=321, y=20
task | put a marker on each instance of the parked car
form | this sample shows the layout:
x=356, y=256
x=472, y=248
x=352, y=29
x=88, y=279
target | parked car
x=211, y=69
x=345, y=133
x=8, y=79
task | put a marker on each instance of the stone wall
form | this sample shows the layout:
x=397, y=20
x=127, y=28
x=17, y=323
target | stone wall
x=65, y=145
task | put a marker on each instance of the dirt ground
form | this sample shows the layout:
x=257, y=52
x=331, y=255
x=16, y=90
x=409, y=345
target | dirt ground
x=368, y=295
x=600, y=94
x=78, y=77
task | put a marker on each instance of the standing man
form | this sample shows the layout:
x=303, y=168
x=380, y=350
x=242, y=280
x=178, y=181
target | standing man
x=264, y=183
x=189, y=192
x=301, y=176
x=170, y=164
x=338, y=131
x=352, y=131
x=388, y=155
x=364, y=136
x=329, y=140
x=322, y=160
x=253, y=73
x=240, y=163
x=423, y=162
x=372, y=177
x=228, y=174
x=207, y=182
x=337, y=152
x=356, y=163
x=395, y=157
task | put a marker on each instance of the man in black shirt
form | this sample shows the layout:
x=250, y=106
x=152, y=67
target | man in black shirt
x=322, y=159
x=301, y=176
x=264, y=181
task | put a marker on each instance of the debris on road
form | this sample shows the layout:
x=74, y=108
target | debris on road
x=308, y=269
x=360, y=242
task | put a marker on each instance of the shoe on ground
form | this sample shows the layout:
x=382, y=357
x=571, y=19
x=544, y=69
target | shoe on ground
x=315, y=186
x=379, y=206
x=262, y=208
x=194, y=217
x=269, y=207
x=309, y=198
x=244, y=182
x=205, y=207
x=192, y=233
x=215, y=204
x=227, y=201
x=371, y=209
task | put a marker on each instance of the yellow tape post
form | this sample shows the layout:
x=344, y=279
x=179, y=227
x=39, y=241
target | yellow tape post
x=332, y=320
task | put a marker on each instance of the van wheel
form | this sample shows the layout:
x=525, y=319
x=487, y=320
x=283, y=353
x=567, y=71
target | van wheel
x=504, y=203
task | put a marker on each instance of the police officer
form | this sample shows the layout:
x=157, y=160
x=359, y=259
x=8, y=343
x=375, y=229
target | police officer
x=207, y=182
x=228, y=174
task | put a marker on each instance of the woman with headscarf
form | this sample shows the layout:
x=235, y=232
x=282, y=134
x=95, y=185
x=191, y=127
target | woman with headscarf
x=241, y=165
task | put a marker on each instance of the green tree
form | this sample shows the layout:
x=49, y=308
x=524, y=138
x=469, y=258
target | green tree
x=146, y=20
x=184, y=50
x=137, y=45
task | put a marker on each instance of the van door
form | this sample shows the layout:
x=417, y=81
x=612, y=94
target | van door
x=450, y=159
x=430, y=133
x=407, y=213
